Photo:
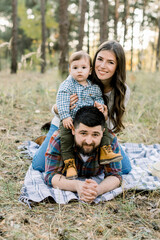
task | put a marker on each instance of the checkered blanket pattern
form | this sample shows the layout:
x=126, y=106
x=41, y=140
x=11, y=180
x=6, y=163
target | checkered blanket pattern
x=142, y=158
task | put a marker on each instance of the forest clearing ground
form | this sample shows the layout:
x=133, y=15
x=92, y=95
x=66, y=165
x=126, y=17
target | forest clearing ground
x=25, y=105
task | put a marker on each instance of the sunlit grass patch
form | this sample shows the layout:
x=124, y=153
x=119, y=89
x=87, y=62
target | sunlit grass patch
x=142, y=118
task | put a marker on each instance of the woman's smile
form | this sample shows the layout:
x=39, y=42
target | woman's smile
x=102, y=72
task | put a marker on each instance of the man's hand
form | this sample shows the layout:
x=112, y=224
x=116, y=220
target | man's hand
x=87, y=190
x=68, y=123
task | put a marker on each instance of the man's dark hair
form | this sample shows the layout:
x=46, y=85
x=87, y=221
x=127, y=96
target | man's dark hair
x=89, y=116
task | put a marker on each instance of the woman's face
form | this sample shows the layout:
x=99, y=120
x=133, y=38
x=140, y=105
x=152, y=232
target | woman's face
x=105, y=65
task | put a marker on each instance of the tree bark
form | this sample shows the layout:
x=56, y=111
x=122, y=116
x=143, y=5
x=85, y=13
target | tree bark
x=88, y=28
x=158, y=47
x=132, y=34
x=83, y=9
x=14, y=38
x=116, y=16
x=140, y=55
x=126, y=13
x=63, y=36
x=43, y=33
x=104, y=20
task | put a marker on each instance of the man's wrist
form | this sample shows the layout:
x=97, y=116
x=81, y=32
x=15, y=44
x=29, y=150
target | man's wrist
x=61, y=182
x=78, y=186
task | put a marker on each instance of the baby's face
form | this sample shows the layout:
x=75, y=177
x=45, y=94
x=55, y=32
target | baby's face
x=80, y=69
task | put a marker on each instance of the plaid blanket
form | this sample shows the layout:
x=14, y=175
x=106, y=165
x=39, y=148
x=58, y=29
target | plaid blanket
x=142, y=158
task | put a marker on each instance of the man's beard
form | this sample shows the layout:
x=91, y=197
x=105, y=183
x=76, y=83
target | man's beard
x=80, y=149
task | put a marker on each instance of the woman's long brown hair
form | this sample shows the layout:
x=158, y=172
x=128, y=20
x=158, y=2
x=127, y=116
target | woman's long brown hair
x=118, y=83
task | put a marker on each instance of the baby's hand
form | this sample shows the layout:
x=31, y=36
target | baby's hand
x=68, y=123
x=99, y=106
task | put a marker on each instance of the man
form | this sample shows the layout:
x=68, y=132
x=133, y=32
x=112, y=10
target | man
x=88, y=131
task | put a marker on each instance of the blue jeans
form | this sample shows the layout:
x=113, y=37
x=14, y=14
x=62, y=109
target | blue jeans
x=126, y=165
x=38, y=162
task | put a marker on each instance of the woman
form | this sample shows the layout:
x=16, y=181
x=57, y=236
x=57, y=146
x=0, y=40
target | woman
x=109, y=72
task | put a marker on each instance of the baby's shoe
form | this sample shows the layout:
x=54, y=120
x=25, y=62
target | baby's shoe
x=107, y=155
x=70, y=168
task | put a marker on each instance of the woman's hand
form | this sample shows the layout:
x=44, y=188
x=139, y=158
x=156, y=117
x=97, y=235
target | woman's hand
x=55, y=109
x=99, y=106
x=102, y=108
x=73, y=100
x=68, y=123
x=105, y=112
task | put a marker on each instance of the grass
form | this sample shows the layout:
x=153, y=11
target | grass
x=25, y=104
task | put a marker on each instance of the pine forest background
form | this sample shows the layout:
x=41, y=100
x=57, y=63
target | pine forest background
x=41, y=34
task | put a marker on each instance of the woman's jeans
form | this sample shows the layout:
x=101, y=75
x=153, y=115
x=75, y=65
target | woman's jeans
x=126, y=165
x=38, y=162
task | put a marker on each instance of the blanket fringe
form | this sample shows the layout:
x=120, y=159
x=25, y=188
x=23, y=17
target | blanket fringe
x=25, y=200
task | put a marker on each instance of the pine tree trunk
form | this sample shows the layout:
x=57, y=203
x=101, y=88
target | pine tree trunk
x=140, y=55
x=103, y=20
x=88, y=29
x=63, y=36
x=43, y=51
x=158, y=48
x=126, y=13
x=152, y=55
x=116, y=16
x=132, y=35
x=83, y=9
x=14, y=38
